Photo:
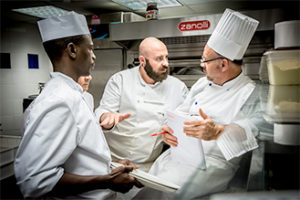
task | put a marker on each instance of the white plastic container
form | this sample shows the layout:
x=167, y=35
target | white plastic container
x=283, y=104
x=263, y=70
x=283, y=67
x=287, y=34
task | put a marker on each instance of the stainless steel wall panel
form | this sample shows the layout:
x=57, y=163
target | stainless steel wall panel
x=165, y=28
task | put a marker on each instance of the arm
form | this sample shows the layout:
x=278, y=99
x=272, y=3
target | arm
x=118, y=180
x=108, y=109
x=40, y=172
x=233, y=139
x=205, y=129
x=37, y=173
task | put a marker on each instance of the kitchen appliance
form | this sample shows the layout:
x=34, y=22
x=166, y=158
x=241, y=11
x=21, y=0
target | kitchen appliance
x=186, y=26
x=186, y=37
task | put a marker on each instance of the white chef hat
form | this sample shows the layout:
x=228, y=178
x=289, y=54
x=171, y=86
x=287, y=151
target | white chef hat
x=232, y=35
x=71, y=24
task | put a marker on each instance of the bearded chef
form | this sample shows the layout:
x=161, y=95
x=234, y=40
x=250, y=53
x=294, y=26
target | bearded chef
x=218, y=99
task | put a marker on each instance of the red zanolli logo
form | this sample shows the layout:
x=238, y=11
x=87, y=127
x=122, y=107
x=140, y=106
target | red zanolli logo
x=194, y=25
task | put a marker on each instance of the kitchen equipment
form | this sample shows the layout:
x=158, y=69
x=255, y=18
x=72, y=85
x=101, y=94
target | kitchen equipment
x=283, y=104
x=283, y=110
x=283, y=67
x=41, y=86
x=186, y=26
x=263, y=70
x=287, y=34
x=8, y=148
x=251, y=67
x=287, y=134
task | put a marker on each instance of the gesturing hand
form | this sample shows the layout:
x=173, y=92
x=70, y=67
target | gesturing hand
x=205, y=129
x=108, y=120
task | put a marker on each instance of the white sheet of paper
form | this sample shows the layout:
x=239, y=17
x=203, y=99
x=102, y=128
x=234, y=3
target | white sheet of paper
x=189, y=150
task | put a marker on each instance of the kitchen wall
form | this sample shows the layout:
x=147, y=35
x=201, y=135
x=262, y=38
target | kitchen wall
x=19, y=82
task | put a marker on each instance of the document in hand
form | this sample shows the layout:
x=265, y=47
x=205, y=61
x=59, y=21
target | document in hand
x=150, y=180
x=189, y=150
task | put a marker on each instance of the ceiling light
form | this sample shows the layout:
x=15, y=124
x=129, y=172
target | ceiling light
x=142, y=4
x=42, y=11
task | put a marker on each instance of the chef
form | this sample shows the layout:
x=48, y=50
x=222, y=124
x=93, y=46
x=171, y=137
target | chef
x=218, y=99
x=141, y=95
x=63, y=152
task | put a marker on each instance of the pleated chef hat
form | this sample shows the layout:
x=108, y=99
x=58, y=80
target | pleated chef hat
x=71, y=24
x=232, y=35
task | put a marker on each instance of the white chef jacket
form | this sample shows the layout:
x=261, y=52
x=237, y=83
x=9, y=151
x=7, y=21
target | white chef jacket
x=89, y=99
x=223, y=104
x=61, y=135
x=127, y=92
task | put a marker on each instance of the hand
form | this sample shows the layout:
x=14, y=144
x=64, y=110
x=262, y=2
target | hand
x=108, y=120
x=121, y=181
x=128, y=163
x=168, y=137
x=205, y=129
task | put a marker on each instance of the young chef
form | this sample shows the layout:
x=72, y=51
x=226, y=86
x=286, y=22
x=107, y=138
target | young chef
x=219, y=99
x=144, y=93
x=63, y=152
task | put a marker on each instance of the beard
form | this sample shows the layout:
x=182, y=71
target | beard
x=156, y=76
x=218, y=67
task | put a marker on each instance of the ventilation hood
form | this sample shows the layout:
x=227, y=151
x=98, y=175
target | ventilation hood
x=189, y=26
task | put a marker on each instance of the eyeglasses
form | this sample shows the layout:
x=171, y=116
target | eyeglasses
x=206, y=61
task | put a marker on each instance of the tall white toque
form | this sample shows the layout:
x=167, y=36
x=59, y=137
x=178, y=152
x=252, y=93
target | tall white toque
x=71, y=24
x=233, y=34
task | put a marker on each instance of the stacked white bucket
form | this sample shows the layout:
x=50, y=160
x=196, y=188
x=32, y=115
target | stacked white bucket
x=283, y=68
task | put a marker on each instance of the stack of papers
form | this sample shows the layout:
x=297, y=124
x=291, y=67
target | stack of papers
x=149, y=180
x=189, y=150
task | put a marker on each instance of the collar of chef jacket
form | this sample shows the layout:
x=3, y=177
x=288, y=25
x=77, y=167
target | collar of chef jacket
x=227, y=85
x=68, y=80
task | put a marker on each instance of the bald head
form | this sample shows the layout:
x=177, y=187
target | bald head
x=149, y=45
x=153, y=58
